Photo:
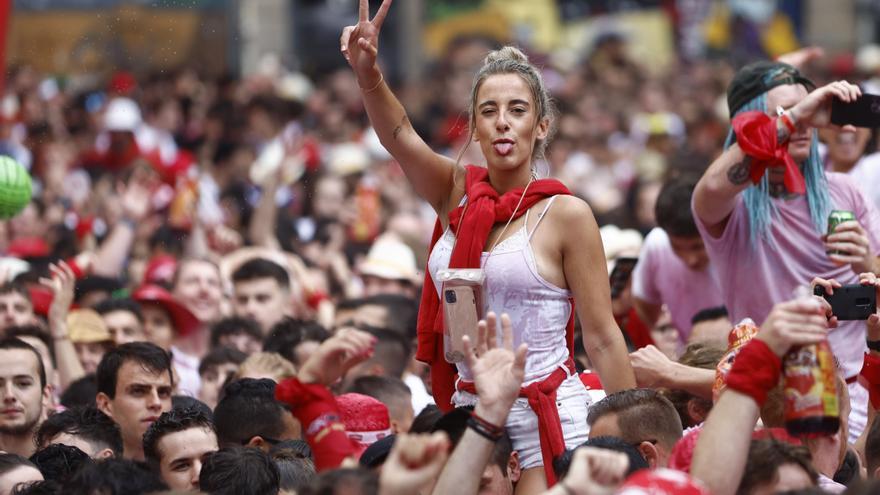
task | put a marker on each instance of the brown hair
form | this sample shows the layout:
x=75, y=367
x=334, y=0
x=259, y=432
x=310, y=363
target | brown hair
x=697, y=355
x=511, y=60
x=765, y=458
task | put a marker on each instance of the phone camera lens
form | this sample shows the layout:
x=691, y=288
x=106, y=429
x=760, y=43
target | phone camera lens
x=450, y=297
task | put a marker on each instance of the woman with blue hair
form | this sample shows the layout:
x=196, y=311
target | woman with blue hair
x=763, y=214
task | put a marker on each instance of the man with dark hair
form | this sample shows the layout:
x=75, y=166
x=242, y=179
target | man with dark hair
x=295, y=339
x=134, y=389
x=641, y=417
x=503, y=470
x=392, y=392
x=115, y=477
x=261, y=291
x=176, y=444
x=249, y=415
x=773, y=466
x=673, y=267
x=243, y=334
x=392, y=311
x=58, y=462
x=81, y=392
x=24, y=393
x=15, y=306
x=215, y=369
x=123, y=319
x=86, y=428
x=295, y=471
x=562, y=463
x=346, y=480
x=390, y=356
x=239, y=471
x=39, y=339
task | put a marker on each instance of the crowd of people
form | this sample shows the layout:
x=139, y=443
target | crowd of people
x=232, y=286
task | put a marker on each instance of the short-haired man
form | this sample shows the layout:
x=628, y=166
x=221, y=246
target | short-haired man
x=176, y=445
x=641, y=417
x=392, y=392
x=134, y=388
x=24, y=393
x=243, y=334
x=773, y=466
x=390, y=357
x=215, y=369
x=15, y=306
x=673, y=267
x=295, y=339
x=123, y=319
x=240, y=471
x=261, y=291
x=85, y=428
x=197, y=284
x=249, y=415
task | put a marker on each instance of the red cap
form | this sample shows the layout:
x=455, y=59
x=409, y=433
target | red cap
x=28, y=247
x=184, y=321
x=160, y=270
x=366, y=419
x=661, y=481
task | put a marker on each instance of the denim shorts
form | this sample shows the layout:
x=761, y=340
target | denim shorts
x=572, y=401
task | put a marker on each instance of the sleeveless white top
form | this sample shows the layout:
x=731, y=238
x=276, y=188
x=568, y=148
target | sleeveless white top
x=538, y=309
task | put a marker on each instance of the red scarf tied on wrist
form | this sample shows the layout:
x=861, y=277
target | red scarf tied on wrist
x=486, y=208
x=756, y=135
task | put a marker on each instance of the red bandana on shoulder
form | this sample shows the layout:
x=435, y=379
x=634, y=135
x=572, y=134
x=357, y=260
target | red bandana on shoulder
x=485, y=208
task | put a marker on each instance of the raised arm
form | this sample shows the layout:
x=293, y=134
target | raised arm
x=62, y=285
x=432, y=175
x=583, y=261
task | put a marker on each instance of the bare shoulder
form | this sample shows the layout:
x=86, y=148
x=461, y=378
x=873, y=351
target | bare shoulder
x=572, y=210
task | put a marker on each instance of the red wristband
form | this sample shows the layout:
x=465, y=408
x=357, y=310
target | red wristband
x=870, y=375
x=755, y=371
x=493, y=429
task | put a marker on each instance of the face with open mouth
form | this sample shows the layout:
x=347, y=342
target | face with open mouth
x=506, y=122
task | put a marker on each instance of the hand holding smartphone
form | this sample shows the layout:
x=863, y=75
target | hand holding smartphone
x=863, y=112
x=851, y=302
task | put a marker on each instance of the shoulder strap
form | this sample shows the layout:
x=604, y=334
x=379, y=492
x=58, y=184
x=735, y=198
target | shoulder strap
x=541, y=216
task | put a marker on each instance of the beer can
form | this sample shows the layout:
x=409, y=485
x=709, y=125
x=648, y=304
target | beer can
x=835, y=218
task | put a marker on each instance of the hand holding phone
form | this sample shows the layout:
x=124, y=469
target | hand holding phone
x=850, y=302
x=863, y=112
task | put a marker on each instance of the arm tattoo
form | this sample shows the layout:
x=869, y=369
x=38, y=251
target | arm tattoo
x=403, y=122
x=738, y=174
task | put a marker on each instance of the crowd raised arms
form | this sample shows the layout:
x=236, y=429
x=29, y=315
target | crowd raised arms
x=230, y=286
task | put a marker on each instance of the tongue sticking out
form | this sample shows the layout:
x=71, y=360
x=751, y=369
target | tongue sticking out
x=503, y=148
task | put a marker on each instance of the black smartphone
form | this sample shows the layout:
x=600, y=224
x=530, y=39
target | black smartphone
x=851, y=302
x=623, y=268
x=864, y=112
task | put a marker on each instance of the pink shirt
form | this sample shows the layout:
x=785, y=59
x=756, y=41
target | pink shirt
x=752, y=280
x=661, y=277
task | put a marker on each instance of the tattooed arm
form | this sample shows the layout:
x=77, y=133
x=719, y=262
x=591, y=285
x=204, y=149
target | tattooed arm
x=728, y=176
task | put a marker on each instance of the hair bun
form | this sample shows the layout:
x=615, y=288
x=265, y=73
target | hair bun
x=507, y=53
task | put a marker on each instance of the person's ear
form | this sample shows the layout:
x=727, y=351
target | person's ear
x=395, y=426
x=543, y=129
x=257, y=442
x=102, y=402
x=651, y=454
x=697, y=410
x=513, y=468
x=47, y=398
x=104, y=454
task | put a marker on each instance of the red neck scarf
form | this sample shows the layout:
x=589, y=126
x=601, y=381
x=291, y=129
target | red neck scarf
x=756, y=136
x=485, y=208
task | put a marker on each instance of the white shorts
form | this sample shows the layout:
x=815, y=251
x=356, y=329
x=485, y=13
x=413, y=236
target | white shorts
x=858, y=414
x=572, y=401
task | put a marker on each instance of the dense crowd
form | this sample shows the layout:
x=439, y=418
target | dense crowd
x=232, y=285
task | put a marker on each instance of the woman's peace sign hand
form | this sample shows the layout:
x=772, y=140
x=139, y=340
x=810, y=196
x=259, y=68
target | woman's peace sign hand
x=360, y=43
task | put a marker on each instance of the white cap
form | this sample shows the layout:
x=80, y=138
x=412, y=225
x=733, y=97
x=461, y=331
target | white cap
x=389, y=258
x=122, y=114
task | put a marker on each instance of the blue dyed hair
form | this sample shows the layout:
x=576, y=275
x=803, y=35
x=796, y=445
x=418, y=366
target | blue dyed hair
x=760, y=207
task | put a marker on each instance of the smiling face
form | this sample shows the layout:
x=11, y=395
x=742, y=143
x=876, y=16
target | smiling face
x=506, y=123
x=787, y=96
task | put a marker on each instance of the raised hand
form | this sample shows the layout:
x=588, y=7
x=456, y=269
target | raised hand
x=595, y=471
x=815, y=109
x=336, y=356
x=498, y=371
x=794, y=323
x=360, y=43
x=62, y=286
x=414, y=462
x=651, y=366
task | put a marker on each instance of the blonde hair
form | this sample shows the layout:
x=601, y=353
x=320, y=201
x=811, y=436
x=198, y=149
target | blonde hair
x=511, y=60
x=266, y=365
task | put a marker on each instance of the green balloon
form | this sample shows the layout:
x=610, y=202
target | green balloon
x=15, y=187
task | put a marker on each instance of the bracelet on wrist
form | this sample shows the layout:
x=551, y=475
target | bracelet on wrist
x=484, y=428
x=374, y=88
